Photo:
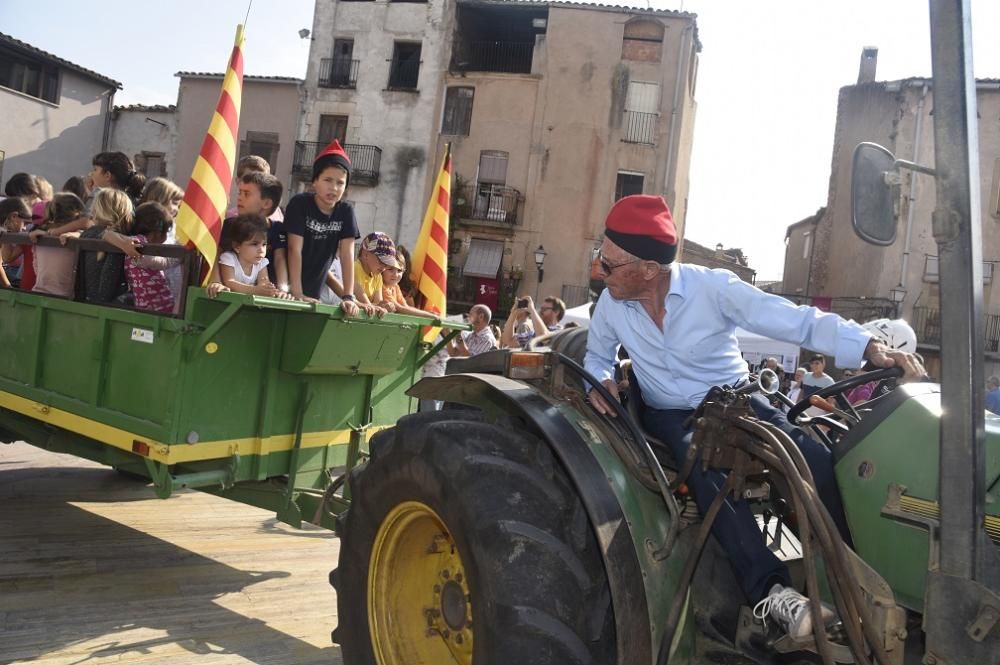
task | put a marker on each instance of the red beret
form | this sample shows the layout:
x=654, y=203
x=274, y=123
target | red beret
x=643, y=227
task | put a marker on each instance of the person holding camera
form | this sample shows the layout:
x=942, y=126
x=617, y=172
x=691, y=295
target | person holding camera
x=525, y=322
x=478, y=340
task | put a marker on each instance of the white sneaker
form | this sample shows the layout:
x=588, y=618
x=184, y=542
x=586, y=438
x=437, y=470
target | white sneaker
x=791, y=610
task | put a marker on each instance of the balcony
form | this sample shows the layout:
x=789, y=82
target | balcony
x=338, y=73
x=639, y=127
x=489, y=205
x=365, y=161
x=926, y=323
x=497, y=56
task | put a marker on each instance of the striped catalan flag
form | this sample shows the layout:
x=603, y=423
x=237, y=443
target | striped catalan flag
x=430, y=255
x=199, y=219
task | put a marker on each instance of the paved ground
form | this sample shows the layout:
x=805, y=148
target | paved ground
x=95, y=569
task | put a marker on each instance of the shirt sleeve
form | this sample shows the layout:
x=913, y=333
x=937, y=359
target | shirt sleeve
x=602, y=341
x=295, y=216
x=773, y=316
x=276, y=236
x=349, y=229
x=228, y=259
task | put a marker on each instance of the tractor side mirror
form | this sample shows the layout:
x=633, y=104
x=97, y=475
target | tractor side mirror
x=874, y=181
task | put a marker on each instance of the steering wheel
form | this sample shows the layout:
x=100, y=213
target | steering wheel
x=842, y=386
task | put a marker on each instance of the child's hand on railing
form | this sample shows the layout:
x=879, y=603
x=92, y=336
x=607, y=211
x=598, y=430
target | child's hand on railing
x=215, y=288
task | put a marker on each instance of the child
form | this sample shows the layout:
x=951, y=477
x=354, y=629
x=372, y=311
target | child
x=259, y=194
x=145, y=275
x=392, y=294
x=115, y=170
x=55, y=267
x=169, y=195
x=243, y=266
x=101, y=278
x=320, y=226
x=15, y=216
x=23, y=185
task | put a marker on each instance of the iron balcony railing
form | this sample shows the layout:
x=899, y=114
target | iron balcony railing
x=488, y=203
x=504, y=57
x=639, y=127
x=365, y=161
x=338, y=73
x=926, y=322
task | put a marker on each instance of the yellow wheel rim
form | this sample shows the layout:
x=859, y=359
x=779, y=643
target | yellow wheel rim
x=419, y=605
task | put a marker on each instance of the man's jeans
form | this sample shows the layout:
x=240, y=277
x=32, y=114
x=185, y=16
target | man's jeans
x=735, y=527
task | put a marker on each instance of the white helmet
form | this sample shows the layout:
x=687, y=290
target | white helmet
x=895, y=334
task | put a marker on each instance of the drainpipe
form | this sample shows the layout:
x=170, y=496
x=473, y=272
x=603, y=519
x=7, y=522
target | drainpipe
x=106, y=138
x=678, y=82
x=912, y=194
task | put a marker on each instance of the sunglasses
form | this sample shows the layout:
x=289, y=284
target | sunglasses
x=607, y=267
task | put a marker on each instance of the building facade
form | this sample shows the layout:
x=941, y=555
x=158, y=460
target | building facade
x=898, y=115
x=56, y=114
x=552, y=111
x=269, y=117
x=728, y=259
x=147, y=134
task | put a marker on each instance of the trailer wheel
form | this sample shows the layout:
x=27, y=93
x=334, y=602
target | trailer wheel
x=466, y=542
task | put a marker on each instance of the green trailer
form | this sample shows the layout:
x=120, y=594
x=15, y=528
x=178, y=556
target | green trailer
x=264, y=401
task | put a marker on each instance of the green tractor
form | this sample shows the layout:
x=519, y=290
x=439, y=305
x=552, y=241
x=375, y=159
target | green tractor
x=519, y=525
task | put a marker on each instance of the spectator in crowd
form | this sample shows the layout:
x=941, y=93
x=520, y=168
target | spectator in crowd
x=146, y=280
x=115, y=170
x=44, y=187
x=392, y=295
x=817, y=378
x=255, y=164
x=55, y=267
x=168, y=194
x=77, y=185
x=376, y=254
x=243, y=263
x=478, y=340
x=795, y=388
x=23, y=186
x=101, y=277
x=525, y=323
x=15, y=217
x=320, y=226
x=406, y=283
x=259, y=194
x=993, y=394
x=678, y=322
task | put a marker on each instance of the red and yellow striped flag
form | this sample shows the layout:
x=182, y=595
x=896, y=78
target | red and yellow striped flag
x=199, y=220
x=430, y=255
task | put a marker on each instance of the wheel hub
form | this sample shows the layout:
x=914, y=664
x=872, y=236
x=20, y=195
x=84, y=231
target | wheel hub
x=419, y=603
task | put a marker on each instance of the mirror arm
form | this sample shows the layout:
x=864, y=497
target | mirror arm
x=913, y=166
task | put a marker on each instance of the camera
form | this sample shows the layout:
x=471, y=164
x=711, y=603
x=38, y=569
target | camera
x=523, y=302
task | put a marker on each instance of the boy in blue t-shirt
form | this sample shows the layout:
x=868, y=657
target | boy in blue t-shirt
x=320, y=227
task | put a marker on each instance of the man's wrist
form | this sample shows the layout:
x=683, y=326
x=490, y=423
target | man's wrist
x=347, y=297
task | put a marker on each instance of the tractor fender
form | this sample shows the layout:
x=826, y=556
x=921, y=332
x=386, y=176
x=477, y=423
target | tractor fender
x=498, y=394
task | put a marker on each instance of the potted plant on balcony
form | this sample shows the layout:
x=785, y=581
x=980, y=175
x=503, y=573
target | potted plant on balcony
x=461, y=197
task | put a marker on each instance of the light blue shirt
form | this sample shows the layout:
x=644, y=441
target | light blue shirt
x=697, y=348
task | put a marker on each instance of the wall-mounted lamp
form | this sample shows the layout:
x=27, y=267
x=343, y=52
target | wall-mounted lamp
x=540, y=255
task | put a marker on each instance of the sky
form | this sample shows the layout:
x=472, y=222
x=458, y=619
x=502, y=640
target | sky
x=768, y=80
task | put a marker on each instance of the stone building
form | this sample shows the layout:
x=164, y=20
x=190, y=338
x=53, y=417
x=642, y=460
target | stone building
x=552, y=110
x=824, y=258
x=56, y=114
x=146, y=134
x=728, y=259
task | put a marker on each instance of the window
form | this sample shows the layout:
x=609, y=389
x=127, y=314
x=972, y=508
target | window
x=262, y=144
x=154, y=165
x=405, y=68
x=332, y=127
x=628, y=183
x=806, y=243
x=932, y=275
x=458, y=111
x=643, y=40
x=29, y=76
x=493, y=167
x=641, y=107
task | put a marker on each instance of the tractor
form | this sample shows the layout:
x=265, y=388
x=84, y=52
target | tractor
x=519, y=525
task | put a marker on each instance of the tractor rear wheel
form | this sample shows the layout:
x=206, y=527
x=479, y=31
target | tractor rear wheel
x=466, y=542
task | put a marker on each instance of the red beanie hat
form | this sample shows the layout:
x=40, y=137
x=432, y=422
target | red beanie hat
x=332, y=155
x=643, y=227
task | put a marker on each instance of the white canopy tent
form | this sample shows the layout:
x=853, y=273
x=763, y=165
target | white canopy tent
x=755, y=348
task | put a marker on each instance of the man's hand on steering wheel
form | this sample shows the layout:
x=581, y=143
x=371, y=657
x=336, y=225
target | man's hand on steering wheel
x=881, y=356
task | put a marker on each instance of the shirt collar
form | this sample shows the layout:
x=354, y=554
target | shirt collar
x=676, y=281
